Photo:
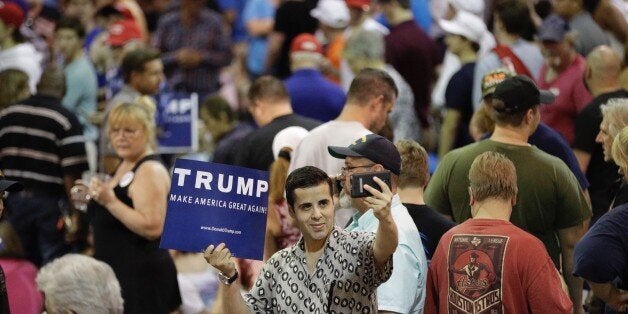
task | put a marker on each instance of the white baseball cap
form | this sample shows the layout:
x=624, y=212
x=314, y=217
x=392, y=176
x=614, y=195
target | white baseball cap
x=333, y=13
x=466, y=25
x=472, y=6
x=289, y=137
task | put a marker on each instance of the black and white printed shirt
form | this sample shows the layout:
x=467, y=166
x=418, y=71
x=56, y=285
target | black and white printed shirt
x=344, y=281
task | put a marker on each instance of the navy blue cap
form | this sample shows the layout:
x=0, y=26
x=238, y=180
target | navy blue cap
x=374, y=148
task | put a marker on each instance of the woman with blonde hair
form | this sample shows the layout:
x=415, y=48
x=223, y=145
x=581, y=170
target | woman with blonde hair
x=127, y=213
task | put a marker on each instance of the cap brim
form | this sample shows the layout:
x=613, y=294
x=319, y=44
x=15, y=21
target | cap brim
x=546, y=97
x=341, y=152
x=11, y=186
x=316, y=13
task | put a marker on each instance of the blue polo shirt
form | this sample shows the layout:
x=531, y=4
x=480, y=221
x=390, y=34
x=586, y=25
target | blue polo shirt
x=314, y=96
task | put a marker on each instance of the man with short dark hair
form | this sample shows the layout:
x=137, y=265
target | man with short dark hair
x=488, y=264
x=329, y=270
x=143, y=73
x=404, y=292
x=42, y=146
x=272, y=112
x=371, y=97
x=81, y=81
x=551, y=204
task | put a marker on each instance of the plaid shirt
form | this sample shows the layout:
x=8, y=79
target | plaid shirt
x=207, y=35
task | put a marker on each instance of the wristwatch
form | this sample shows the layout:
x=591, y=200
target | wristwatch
x=227, y=280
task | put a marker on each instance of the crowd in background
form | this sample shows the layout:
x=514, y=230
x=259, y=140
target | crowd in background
x=277, y=83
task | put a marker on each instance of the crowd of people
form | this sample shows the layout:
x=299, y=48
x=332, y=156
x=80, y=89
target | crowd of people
x=496, y=132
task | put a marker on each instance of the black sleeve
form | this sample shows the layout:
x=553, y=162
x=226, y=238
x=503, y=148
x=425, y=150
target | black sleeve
x=587, y=128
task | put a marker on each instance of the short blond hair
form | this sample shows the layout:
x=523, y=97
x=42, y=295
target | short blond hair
x=141, y=111
x=492, y=175
x=414, y=164
x=620, y=151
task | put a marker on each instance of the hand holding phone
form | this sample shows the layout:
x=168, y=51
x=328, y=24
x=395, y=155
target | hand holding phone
x=358, y=181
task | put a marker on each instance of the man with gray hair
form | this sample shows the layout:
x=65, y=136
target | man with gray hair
x=602, y=79
x=550, y=203
x=614, y=119
x=77, y=283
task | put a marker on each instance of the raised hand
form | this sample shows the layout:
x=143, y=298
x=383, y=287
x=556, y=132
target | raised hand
x=220, y=258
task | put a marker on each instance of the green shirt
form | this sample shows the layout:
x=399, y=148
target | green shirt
x=549, y=197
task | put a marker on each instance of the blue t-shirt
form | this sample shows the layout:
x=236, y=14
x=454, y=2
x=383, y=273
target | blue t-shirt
x=458, y=96
x=600, y=256
x=258, y=45
x=313, y=96
x=239, y=31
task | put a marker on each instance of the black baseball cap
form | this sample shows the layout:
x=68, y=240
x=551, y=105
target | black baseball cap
x=519, y=93
x=374, y=148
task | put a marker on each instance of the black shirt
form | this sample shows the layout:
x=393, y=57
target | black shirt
x=431, y=224
x=255, y=149
x=601, y=174
x=291, y=19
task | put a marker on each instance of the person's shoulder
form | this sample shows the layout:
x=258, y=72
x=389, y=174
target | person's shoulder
x=153, y=169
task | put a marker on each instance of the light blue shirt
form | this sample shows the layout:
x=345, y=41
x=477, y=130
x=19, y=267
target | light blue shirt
x=81, y=93
x=405, y=291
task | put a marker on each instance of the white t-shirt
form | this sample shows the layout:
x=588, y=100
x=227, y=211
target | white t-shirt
x=312, y=151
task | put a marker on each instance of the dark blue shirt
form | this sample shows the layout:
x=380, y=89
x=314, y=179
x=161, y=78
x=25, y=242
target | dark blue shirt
x=600, y=256
x=313, y=96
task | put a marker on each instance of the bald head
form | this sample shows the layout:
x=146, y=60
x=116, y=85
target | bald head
x=604, y=62
x=603, y=70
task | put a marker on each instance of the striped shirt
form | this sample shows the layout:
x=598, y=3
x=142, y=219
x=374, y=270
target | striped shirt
x=40, y=143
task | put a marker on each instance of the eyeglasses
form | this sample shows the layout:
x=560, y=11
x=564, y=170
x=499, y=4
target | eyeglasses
x=125, y=132
x=345, y=170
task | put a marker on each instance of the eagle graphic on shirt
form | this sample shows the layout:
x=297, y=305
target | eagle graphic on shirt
x=475, y=266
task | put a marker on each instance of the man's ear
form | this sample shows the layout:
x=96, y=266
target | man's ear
x=471, y=198
x=513, y=200
x=376, y=102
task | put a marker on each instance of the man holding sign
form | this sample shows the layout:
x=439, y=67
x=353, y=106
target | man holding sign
x=329, y=269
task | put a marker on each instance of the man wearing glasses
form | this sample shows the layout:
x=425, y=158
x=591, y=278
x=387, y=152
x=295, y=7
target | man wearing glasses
x=404, y=292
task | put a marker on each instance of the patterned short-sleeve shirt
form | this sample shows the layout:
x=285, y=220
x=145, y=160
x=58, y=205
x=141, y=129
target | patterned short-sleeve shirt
x=344, y=281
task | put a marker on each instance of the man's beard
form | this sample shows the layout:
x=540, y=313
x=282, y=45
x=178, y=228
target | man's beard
x=345, y=200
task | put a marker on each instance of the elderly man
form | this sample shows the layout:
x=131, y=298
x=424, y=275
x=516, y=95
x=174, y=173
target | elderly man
x=602, y=80
x=328, y=270
x=614, y=119
x=404, y=292
x=551, y=204
x=80, y=284
x=487, y=262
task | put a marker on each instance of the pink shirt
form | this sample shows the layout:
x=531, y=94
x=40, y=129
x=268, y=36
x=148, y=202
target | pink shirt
x=571, y=97
x=24, y=297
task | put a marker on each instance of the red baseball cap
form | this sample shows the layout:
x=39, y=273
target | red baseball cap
x=11, y=14
x=360, y=4
x=306, y=42
x=123, y=31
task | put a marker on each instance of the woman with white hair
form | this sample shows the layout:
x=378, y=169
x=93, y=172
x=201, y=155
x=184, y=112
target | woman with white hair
x=77, y=283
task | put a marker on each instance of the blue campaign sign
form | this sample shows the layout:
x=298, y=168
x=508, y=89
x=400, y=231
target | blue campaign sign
x=177, y=120
x=210, y=203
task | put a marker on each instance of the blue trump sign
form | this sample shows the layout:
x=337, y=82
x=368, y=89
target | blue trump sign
x=212, y=203
x=177, y=118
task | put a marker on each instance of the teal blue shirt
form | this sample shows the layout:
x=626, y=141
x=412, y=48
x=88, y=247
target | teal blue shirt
x=81, y=93
x=405, y=291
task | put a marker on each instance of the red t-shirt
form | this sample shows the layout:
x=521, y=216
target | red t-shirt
x=491, y=266
x=571, y=97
